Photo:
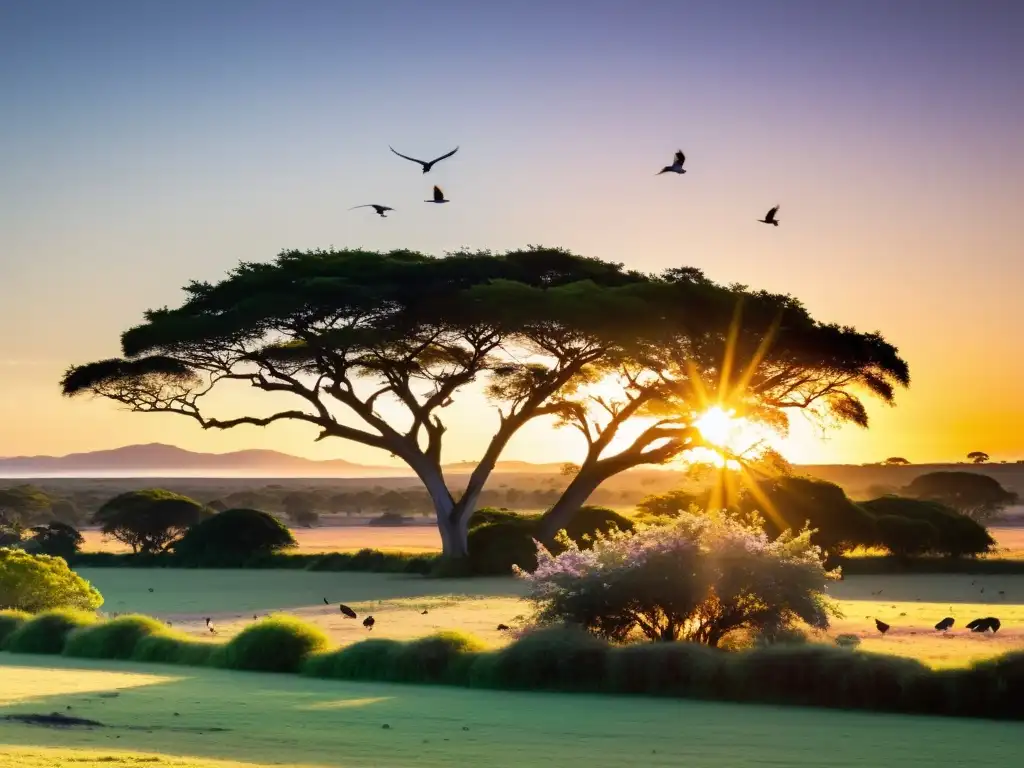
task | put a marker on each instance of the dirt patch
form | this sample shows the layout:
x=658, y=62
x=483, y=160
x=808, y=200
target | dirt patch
x=54, y=720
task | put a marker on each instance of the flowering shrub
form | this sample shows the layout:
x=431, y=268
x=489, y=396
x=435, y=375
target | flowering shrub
x=698, y=578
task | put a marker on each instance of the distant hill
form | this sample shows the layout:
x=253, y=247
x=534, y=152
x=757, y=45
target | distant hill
x=160, y=460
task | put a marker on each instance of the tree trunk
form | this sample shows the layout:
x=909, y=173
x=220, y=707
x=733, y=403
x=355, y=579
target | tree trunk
x=453, y=527
x=574, y=497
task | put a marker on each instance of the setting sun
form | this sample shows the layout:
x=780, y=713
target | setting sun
x=719, y=427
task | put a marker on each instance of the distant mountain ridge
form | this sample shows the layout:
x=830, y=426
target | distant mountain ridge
x=161, y=460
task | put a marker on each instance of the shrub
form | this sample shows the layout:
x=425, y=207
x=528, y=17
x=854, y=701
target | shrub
x=149, y=520
x=977, y=496
x=905, y=536
x=55, y=539
x=699, y=579
x=847, y=641
x=667, y=669
x=10, y=620
x=275, y=644
x=237, y=534
x=488, y=515
x=951, y=533
x=47, y=632
x=550, y=658
x=658, y=507
x=440, y=658
x=389, y=520
x=365, y=660
x=37, y=582
x=114, y=639
x=173, y=648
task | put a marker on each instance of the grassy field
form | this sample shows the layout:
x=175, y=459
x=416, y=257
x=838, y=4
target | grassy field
x=910, y=604
x=258, y=720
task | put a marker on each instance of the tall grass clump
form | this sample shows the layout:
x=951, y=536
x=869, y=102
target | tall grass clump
x=174, y=648
x=445, y=657
x=47, y=632
x=552, y=658
x=689, y=670
x=275, y=644
x=365, y=660
x=114, y=639
x=10, y=620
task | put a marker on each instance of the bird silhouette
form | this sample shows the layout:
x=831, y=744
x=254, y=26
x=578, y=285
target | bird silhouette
x=438, y=196
x=207, y=621
x=983, y=625
x=945, y=624
x=502, y=627
x=881, y=626
x=426, y=165
x=973, y=625
x=326, y=601
x=380, y=209
x=424, y=613
x=254, y=617
x=150, y=589
x=770, y=219
x=993, y=623
x=368, y=622
x=677, y=164
x=349, y=613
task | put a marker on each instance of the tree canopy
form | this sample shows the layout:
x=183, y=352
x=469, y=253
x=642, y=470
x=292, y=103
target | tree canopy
x=40, y=582
x=239, y=533
x=150, y=520
x=978, y=496
x=586, y=342
x=21, y=504
x=978, y=457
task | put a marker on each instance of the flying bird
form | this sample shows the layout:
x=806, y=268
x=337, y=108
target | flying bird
x=349, y=613
x=438, y=196
x=770, y=219
x=426, y=166
x=368, y=622
x=326, y=601
x=380, y=209
x=882, y=626
x=677, y=165
x=945, y=624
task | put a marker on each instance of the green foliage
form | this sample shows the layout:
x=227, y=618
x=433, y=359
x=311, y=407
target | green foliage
x=906, y=536
x=37, y=582
x=275, y=644
x=10, y=620
x=552, y=658
x=365, y=660
x=668, y=505
x=389, y=520
x=979, y=497
x=22, y=504
x=57, y=539
x=114, y=639
x=175, y=648
x=439, y=658
x=47, y=632
x=689, y=670
x=234, y=534
x=149, y=520
x=949, y=533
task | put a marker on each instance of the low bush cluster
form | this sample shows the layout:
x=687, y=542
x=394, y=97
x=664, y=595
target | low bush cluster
x=556, y=659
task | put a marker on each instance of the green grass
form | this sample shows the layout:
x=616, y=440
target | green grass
x=274, y=719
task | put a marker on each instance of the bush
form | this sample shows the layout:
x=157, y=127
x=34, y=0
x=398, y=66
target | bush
x=114, y=639
x=668, y=669
x=56, y=539
x=441, y=658
x=699, y=579
x=951, y=533
x=150, y=520
x=847, y=641
x=389, y=520
x=977, y=496
x=552, y=658
x=905, y=536
x=236, y=534
x=174, y=648
x=37, y=582
x=275, y=644
x=47, y=632
x=10, y=620
x=488, y=515
x=365, y=660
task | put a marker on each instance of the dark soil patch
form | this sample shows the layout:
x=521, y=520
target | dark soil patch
x=54, y=720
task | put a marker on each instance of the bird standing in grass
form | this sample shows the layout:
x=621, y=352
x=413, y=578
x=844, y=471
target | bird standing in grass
x=380, y=209
x=502, y=627
x=326, y=601
x=945, y=624
x=438, y=196
x=881, y=626
x=368, y=622
x=426, y=165
x=349, y=613
x=770, y=219
x=677, y=164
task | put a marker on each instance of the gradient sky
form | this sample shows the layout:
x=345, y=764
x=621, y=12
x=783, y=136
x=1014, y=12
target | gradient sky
x=146, y=144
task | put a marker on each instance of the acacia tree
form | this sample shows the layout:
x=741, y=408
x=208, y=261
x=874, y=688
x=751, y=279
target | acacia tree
x=978, y=457
x=372, y=347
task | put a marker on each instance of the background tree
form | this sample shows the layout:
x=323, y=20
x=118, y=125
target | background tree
x=150, y=520
x=40, y=582
x=980, y=497
x=23, y=505
x=55, y=539
x=978, y=457
x=944, y=531
x=896, y=461
x=240, y=533
x=342, y=333
x=300, y=507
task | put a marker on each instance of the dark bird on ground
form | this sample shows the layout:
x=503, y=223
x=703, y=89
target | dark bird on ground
x=150, y=589
x=207, y=621
x=983, y=590
x=426, y=166
x=438, y=196
x=983, y=625
x=380, y=209
x=973, y=625
x=994, y=624
x=326, y=601
x=1002, y=592
x=368, y=622
x=213, y=631
x=677, y=164
x=349, y=613
x=254, y=617
x=945, y=624
x=882, y=626
x=770, y=219
x=424, y=613
x=502, y=627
